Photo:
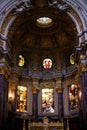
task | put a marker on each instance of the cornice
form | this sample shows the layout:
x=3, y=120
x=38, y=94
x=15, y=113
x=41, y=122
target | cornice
x=80, y=9
x=7, y=6
x=39, y=75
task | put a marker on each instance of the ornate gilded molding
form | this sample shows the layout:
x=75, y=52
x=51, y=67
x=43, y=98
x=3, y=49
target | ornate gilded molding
x=79, y=8
x=35, y=90
x=13, y=86
x=57, y=4
x=59, y=89
x=4, y=69
x=26, y=5
x=14, y=78
x=82, y=68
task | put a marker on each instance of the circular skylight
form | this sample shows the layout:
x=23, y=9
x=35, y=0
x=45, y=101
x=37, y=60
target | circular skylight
x=44, y=21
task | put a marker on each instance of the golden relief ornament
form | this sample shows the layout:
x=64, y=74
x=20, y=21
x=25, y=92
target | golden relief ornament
x=82, y=68
x=45, y=120
x=59, y=89
x=83, y=63
x=5, y=71
x=35, y=90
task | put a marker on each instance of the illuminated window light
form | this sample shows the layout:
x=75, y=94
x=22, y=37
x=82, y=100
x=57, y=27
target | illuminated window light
x=21, y=61
x=47, y=63
x=44, y=21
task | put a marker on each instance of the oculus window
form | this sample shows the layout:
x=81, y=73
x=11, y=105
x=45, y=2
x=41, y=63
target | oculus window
x=44, y=21
x=47, y=100
x=73, y=97
x=47, y=63
x=21, y=99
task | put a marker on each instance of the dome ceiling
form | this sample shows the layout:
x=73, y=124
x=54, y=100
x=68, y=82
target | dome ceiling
x=56, y=40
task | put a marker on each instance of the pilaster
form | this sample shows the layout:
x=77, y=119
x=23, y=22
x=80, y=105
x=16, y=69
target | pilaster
x=35, y=91
x=3, y=101
x=13, y=82
x=59, y=90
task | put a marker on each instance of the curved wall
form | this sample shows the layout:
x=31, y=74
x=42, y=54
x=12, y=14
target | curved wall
x=77, y=13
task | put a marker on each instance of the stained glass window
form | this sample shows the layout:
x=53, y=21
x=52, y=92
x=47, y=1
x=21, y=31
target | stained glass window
x=73, y=97
x=47, y=63
x=72, y=59
x=48, y=100
x=21, y=98
x=21, y=60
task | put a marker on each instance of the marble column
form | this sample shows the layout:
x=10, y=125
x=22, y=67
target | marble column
x=3, y=102
x=5, y=70
x=13, y=82
x=35, y=103
x=59, y=90
x=84, y=98
x=83, y=103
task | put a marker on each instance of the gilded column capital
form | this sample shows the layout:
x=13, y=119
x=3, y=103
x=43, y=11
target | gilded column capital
x=35, y=82
x=14, y=79
x=78, y=84
x=35, y=90
x=83, y=67
x=83, y=63
x=4, y=68
x=13, y=86
x=58, y=83
x=59, y=89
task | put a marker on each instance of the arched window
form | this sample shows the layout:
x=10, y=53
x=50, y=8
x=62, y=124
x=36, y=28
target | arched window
x=48, y=100
x=72, y=59
x=73, y=96
x=47, y=63
x=21, y=61
x=21, y=99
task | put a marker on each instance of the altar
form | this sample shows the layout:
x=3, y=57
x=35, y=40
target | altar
x=46, y=126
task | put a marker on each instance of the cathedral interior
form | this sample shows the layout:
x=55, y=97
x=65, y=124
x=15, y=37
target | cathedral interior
x=43, y=65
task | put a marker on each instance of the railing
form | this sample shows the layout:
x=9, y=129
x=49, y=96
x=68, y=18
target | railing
x=46, y=126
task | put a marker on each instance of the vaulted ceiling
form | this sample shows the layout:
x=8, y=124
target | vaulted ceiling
x=58, y=40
